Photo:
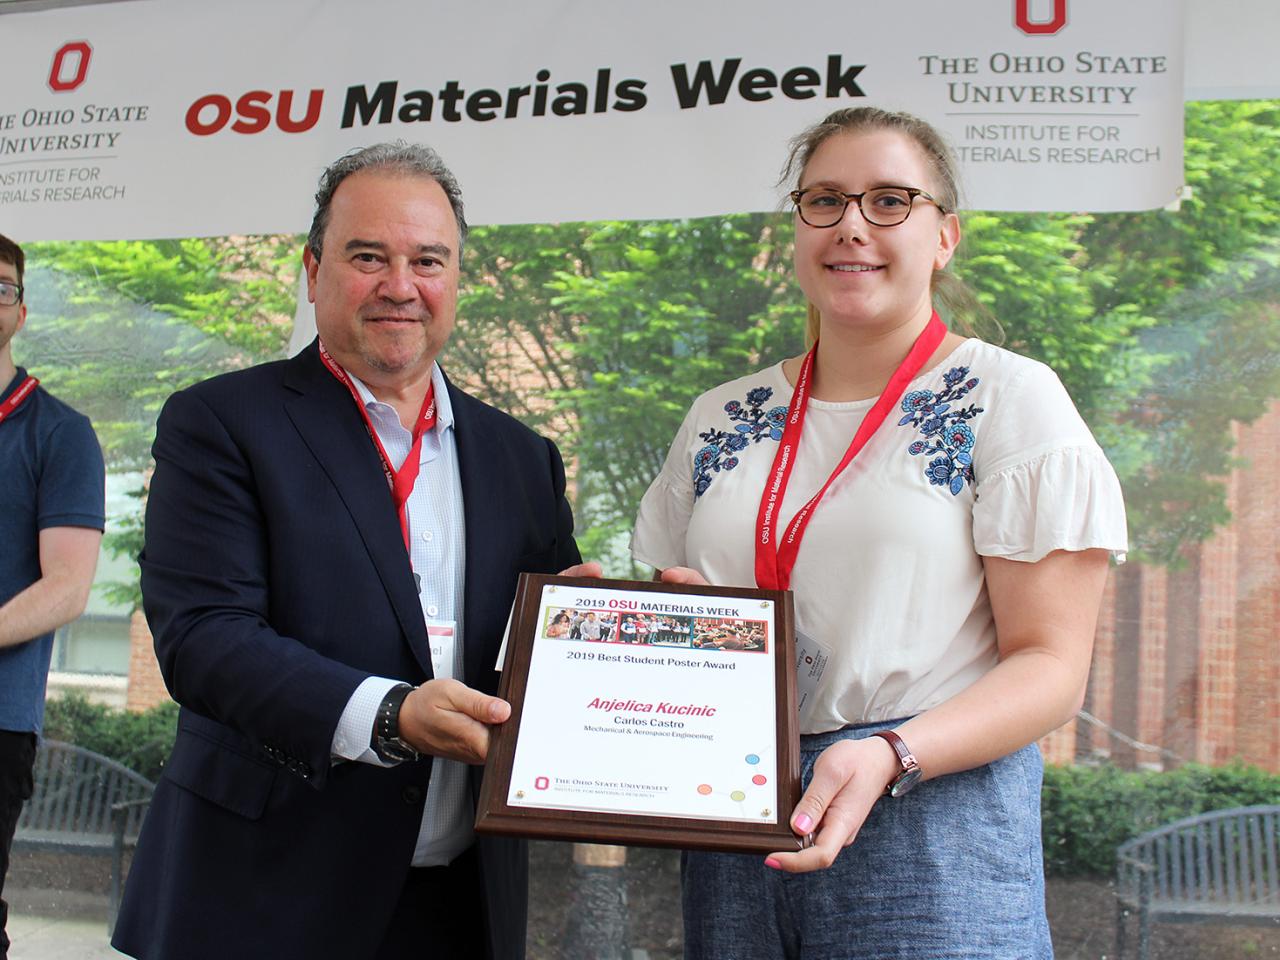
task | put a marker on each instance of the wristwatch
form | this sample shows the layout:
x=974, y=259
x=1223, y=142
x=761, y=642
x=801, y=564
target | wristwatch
x=911, y=772
x=386, y=742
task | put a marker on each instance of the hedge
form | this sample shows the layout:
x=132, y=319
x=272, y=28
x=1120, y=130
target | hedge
x=141, y=741
x=1087, y=811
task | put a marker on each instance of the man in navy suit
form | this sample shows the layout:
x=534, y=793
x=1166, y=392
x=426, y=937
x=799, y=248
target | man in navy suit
x=332, y=546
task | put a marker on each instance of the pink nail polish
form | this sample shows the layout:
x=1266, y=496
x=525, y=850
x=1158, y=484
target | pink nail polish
x=803, y=823
x=772, y=864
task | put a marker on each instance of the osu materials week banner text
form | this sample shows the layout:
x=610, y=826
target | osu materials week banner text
x=160, y=118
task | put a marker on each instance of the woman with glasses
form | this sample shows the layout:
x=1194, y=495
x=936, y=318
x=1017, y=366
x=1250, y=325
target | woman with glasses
x=944, y=522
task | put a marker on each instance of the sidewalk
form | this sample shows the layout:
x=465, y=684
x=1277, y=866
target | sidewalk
x=58, y=925
x=58, y=938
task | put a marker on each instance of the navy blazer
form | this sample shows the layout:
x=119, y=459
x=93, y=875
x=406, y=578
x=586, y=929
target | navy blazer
x=275, y=580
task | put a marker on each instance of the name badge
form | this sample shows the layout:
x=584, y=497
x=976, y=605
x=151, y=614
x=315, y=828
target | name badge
x=812, y=658
x=441, y=638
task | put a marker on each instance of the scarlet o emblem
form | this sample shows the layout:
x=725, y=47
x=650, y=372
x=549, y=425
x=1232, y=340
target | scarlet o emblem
x=70, y=66
x=1022, y=17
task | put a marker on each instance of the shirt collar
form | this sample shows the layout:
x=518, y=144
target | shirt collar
x=12, y=385
x=444, y=409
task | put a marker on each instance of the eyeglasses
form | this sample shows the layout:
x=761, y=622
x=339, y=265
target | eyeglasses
x=883, y=206
x=10, y=293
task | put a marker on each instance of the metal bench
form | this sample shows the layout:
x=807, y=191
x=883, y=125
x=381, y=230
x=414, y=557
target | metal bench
x=1218, y=867
x=84, y=803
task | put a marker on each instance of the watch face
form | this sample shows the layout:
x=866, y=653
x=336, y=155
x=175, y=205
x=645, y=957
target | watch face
x=906, y=780
x=396, y=751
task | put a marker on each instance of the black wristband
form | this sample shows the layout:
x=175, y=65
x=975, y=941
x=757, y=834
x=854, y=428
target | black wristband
x=386, y=741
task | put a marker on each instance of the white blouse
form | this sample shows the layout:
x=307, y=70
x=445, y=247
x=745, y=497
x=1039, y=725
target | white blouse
x=986, y=457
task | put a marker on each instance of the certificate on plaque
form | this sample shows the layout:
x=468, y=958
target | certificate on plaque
x=646, y=713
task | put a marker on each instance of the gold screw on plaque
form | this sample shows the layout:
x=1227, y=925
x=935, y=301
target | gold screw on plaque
x=519, y=794
x=551, y=589
x=764, y=812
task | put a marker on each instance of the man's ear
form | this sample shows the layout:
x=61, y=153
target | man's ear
x=311, y=264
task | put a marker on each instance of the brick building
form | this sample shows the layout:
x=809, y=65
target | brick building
x=1187, y=661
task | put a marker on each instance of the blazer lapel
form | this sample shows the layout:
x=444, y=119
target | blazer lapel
x=325, y=415
x=480, y=456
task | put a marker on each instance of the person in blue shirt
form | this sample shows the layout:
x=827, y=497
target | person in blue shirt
x=51, y=520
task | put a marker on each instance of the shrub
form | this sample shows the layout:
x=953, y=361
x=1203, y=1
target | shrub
x=140, y=741
x=1088, y=811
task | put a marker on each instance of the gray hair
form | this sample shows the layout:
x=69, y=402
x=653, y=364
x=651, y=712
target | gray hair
x=404, y=159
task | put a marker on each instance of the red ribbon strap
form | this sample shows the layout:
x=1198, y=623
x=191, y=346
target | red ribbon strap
x=774, y=560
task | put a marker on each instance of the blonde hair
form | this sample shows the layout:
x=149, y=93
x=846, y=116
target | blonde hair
x=951, y=295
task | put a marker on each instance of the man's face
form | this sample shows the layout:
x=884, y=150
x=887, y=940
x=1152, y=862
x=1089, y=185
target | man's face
x=11, y=318
x=386, y=286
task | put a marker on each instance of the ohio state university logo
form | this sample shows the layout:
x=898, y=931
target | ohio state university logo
x=1038, y=26
x=70, y=66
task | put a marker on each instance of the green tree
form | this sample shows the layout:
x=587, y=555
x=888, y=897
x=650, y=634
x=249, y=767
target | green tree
x=604, y=332
x=130, y=322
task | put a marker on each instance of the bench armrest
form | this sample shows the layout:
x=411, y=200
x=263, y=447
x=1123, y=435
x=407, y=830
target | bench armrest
x=1133, y=863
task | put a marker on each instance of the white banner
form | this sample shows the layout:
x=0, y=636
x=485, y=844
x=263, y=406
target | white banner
x=159, y=118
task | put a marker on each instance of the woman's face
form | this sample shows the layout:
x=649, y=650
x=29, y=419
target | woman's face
x=860, y=274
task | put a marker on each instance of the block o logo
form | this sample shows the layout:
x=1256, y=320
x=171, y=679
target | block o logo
x=541, y=783
x=70, y=66
x=1022, y=17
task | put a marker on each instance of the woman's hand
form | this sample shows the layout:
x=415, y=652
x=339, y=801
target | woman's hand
x=848, y=778
x=589, y=569
x=683, y=575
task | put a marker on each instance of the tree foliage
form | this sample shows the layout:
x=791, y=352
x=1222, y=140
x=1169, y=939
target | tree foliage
x=603, y=332
x=122, y=325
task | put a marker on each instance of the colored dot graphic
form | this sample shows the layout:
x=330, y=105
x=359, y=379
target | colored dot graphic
x=737, y=796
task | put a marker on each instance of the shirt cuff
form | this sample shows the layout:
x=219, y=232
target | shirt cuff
x=355, y=726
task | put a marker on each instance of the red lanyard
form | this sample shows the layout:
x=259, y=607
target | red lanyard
x=399, y=481
x=25, y=389
x=775, y=561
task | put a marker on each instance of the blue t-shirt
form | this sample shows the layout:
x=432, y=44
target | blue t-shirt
x=52, y=476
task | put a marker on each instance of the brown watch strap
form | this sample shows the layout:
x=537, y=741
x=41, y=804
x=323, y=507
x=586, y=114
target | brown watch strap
x=910, y=765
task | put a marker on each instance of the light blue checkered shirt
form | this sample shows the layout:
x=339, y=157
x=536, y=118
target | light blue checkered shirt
x=437, y=550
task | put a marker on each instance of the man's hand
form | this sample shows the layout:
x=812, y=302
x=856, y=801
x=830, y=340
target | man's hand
x=446, y=718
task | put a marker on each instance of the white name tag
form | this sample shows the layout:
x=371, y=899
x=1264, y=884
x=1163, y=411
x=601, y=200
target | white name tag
x=811, y=662
x=441, y=638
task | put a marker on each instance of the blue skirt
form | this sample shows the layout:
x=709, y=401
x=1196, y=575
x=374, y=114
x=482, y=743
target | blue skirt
x=952, y=870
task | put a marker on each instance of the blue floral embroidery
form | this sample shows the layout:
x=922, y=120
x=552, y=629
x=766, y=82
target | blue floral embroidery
x=948, y=439
x=753, y=423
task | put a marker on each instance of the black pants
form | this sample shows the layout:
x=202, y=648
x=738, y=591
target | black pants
x=440, y=914
x=17, y=760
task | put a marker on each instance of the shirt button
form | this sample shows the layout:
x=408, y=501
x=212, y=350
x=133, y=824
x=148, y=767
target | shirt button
x=432, y=610
x=427, y=535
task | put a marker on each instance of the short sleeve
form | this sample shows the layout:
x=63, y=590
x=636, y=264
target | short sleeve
x=1043, y=483
x=72, y=478
x=665, y=509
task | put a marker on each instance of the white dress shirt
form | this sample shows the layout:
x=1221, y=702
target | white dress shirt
x=437, y=551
